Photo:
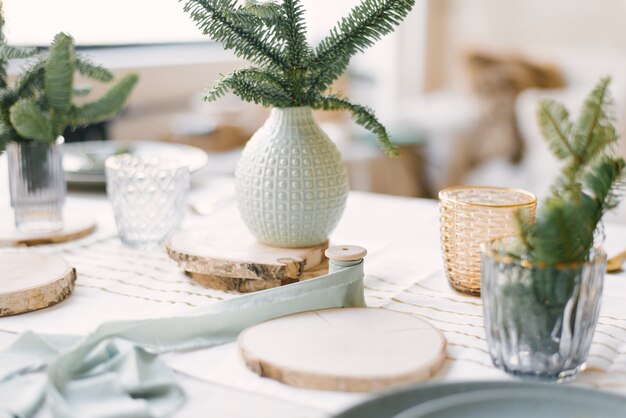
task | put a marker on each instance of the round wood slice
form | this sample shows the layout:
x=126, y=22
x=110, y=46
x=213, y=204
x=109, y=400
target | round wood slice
x=237, y=285
x=252, y=285
x=352, y=349
x=76, y=224
x=227, y=249
x=33, y=281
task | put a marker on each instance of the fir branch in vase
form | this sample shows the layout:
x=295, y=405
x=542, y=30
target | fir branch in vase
x=287, y=71
x=555, y=246
x=38, y=104
x=588, y=185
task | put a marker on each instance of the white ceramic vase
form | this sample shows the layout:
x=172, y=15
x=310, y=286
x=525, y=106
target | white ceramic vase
x=291, y=182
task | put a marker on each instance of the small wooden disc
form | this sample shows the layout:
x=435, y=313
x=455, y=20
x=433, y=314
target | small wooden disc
x=33, y=281
x=229, y=250
x=346, y=252
x=76, y=224
x=352, y=349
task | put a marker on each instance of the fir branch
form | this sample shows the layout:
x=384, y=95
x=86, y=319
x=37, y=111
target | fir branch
x=252, y=85
x=259, y=93
x=563, y=232
x=9, y=52
x=39, y=105
x=30, y=122
x=556, y=127
x=366, y=23
x=363, y=116
x=59, y=73
x=241, y=32
x=595, y=129
x=7, y=132
x=32, y=80
x=93, y=71
x=524, y=225
x=106, y=106
x=297, y=49
x=288, y=72
x=3, y=136
x=219, y=89
x=602, y=181
x=587, y=187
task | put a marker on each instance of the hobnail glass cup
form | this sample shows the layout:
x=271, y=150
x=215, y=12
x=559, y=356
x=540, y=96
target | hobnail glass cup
x=470, y=216
x=540, y=320
x=149, y=197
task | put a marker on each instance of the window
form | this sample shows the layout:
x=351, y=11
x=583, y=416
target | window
x=91, y=22
x=121, y=22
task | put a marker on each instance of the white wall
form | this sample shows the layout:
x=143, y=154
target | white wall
x=540, y=26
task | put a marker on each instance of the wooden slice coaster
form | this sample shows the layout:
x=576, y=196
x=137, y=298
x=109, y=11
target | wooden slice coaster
x=228, y=250
x=76, y=225
x=237, y=285
x=352, y=349
x=33, y=281
x=253, y=285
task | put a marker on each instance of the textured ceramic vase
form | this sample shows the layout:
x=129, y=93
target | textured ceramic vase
x=291, y=181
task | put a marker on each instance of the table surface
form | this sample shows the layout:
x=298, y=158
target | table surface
x=403, y=273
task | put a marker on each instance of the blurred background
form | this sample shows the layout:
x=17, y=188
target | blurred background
x=457, y=84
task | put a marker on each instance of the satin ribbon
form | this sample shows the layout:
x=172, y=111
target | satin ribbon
x=115, y=372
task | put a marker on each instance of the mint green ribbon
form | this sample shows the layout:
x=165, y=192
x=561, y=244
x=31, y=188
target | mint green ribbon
x=115, y=372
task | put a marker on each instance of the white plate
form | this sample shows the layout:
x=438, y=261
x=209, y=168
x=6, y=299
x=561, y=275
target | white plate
x=83, y=162
x=537, y=402
x=392, y=404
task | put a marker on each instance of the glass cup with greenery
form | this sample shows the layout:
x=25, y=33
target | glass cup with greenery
x=540, y=320
x=35, y=110
x=541, y=289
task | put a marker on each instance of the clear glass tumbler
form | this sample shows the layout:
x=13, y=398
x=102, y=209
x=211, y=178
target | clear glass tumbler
x=470, y=216
x=540, y=320
x=149, y=197
x=37, y=185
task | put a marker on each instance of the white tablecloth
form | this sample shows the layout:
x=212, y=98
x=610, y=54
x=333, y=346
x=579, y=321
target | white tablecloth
x=403, y=273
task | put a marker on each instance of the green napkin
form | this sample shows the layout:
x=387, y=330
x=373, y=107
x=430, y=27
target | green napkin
x=115, y=372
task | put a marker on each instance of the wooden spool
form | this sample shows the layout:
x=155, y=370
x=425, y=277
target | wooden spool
x=352, y=349
x=33, y=281
x=226, y=256
x=76, y=225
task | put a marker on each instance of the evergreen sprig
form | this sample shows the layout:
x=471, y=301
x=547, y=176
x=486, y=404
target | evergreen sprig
x=363, y=115
x=39, y=105
x=287, y=71
x=588, y=186
x=244, y=32
x=367, y=23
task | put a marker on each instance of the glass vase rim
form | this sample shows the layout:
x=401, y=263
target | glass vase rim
x=59, y=140
x=597, y=252
x=532, y=198
x=122, y=162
